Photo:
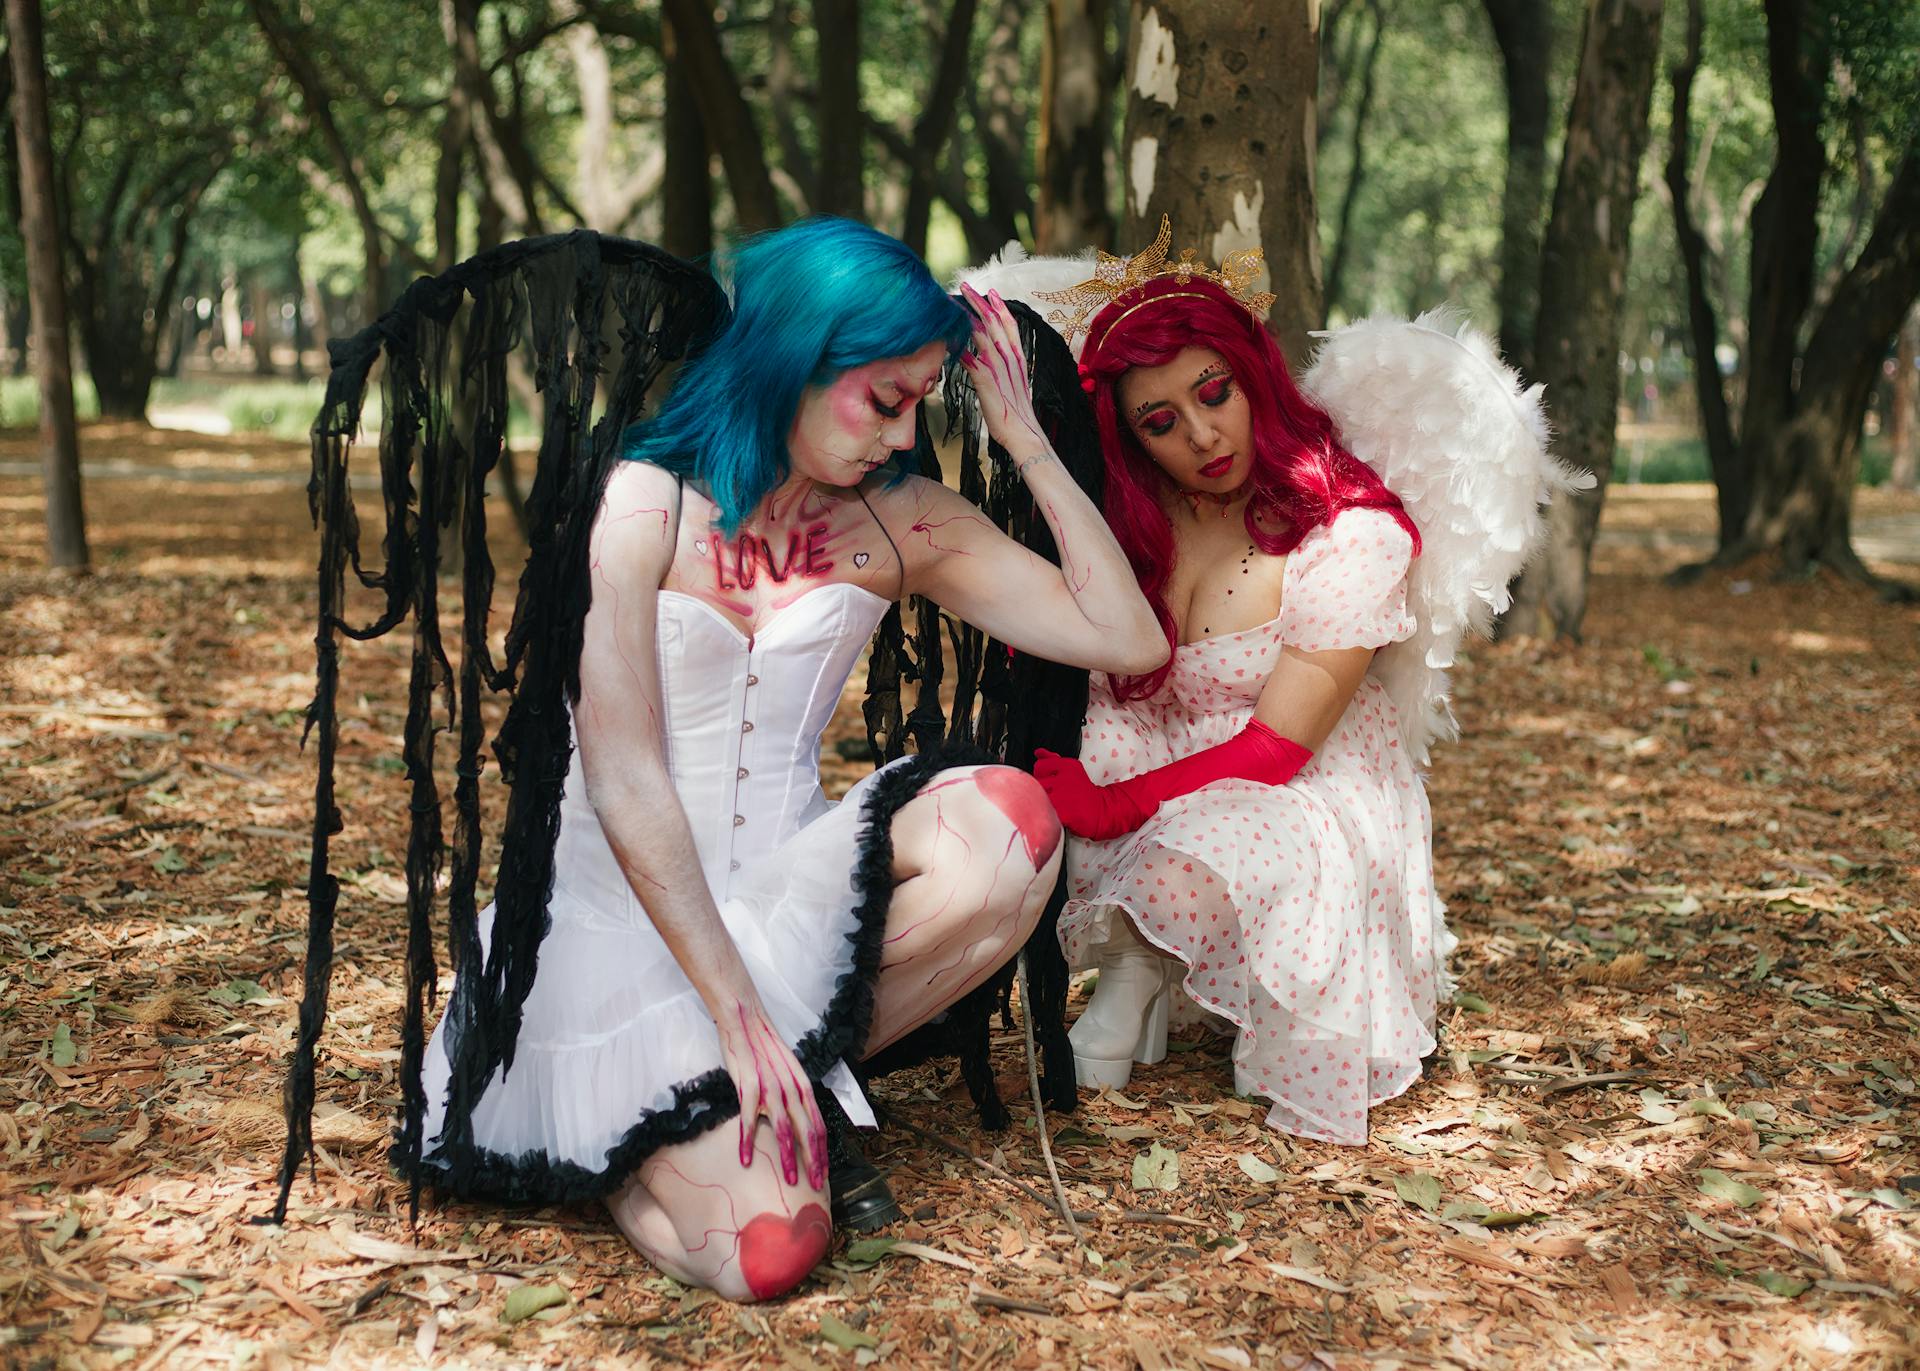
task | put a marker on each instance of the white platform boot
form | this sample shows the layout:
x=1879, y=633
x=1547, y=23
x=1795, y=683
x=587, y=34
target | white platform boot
x=1126, y=1021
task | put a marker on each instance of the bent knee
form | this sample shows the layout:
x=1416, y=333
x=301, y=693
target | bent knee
x=778, y=1250
x=1026, y=806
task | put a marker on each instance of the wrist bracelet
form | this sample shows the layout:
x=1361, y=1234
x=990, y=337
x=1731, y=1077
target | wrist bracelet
x=1020, y=468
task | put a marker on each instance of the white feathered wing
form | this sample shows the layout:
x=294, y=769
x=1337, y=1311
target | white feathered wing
x=1453, y=432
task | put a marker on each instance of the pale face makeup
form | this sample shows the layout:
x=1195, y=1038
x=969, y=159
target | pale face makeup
x=844, y=429
x=1192, y=417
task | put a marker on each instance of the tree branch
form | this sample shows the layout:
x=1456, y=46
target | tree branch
x=1731, y=477
x=723, y=109
x=935, y=124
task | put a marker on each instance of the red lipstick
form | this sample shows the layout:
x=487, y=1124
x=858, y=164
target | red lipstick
x=1219, y=466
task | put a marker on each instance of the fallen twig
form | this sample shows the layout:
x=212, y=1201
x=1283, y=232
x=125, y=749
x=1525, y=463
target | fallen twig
x=994, y=1300
x=1039, y=1110
x=954, y=1149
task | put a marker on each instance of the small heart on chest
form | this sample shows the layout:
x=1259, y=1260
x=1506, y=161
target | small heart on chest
x=700, y=546
x=860, y=559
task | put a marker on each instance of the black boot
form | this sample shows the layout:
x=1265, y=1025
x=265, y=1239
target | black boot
x=861, y=1200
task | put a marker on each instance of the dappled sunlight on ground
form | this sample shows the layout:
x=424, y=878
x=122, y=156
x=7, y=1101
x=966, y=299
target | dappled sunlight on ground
x=1673, y=1116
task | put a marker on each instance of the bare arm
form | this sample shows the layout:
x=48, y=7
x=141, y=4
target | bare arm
x=617, y=726
x=1309, y=691
x=1086, y=612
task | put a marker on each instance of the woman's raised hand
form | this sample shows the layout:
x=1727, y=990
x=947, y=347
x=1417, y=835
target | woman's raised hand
x=998, y=368
x=771, y=1083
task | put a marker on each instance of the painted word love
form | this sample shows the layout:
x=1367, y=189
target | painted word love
x=806, y=556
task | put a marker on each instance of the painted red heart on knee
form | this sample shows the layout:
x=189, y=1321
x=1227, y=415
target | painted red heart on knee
x=1019, y=797
x=776, y=1252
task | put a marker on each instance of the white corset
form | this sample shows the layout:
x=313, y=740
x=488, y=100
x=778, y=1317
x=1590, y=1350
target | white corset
x=743, y=722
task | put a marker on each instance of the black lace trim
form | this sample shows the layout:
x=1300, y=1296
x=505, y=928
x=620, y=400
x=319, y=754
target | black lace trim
x=710, y=1100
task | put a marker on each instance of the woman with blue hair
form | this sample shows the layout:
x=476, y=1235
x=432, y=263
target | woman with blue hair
x=722, y=938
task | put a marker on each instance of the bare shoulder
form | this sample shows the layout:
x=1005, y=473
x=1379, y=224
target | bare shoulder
x=635, y=523
x=904, y=499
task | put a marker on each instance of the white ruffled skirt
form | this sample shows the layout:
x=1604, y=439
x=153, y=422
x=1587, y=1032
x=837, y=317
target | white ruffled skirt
x=614, y=1041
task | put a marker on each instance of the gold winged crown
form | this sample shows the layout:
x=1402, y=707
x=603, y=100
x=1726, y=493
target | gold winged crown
x=1115, y=276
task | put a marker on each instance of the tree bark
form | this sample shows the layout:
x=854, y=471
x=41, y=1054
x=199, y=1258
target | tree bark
x=687, y=191
x=935, y=124
x=1357, y=166
x=723, y=109
x=1905, y=427
x=449, y=177
x=1583, y=290
x=1789, y=487
x=59, y=433
x=1220, y=138
x=1076, y=119
x=1805, y=470
x=841, y=187
x=1785, y=220
x=263, y=305
x=1523, y=30
x=302, y=335
x=1716, y=421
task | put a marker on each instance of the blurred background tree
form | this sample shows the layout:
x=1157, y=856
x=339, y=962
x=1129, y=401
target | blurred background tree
x=239, y=180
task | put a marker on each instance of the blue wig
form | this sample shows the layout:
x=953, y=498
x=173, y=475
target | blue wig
x=811, y=301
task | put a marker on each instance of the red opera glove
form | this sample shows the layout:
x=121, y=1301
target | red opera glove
x=1255, y=753
x=1092, y=811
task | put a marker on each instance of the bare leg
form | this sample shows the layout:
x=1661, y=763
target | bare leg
x=697, y=1214
x=975, y=854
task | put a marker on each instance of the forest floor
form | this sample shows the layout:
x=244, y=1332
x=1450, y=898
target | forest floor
x=1674, y=1119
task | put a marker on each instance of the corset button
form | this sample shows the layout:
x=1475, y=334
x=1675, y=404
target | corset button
x=747, y=727
x=739, y=819
x=741, y=774
x=752, y=680
x=733, y=866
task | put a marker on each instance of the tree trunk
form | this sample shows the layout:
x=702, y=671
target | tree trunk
x=232, y=324
x=723, y=109
x=59, y=434
x=1905, y=426
x=687, y=191
x=935, y=124
x=1000, y=121
x=1785, y=226
x=1583, y=289
x=1357, y=164
x=264, y=305
x=302, y=338
x=1076, y=120
x=1797, y=455
x=1523, y=29
x=316, y=315
x=1220, y=136
x=1805, y=469
x=449, y=178
x=840, y=188
x=796, y=174
x=19, y=327
x=1716, y=421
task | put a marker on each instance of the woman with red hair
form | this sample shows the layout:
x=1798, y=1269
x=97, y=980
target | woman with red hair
x=1253, y=837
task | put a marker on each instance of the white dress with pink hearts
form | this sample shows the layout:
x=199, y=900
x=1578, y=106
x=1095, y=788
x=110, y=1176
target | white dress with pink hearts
x=1305, y=914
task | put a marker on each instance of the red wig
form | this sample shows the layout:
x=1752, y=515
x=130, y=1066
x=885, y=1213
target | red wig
x=1302, y=477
